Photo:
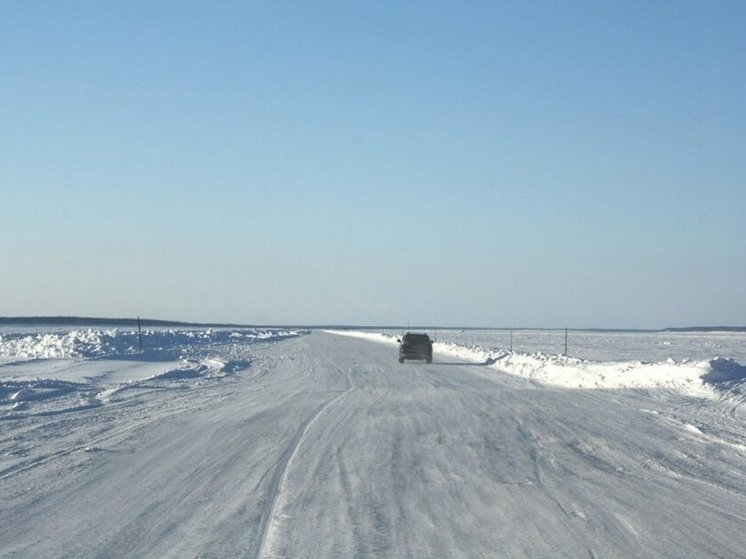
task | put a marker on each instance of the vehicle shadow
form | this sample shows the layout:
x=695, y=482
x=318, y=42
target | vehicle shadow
x=459, y=363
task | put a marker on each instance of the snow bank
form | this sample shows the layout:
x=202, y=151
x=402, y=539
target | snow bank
x=695, y=378
x=115, y=342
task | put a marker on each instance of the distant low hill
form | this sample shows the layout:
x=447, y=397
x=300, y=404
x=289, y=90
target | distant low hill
x=89, y=321
x=707, y=329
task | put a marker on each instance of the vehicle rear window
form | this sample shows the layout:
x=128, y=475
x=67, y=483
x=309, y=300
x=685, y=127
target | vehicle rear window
x=416, y=337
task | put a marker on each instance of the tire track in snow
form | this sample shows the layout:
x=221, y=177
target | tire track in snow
x=272, y=520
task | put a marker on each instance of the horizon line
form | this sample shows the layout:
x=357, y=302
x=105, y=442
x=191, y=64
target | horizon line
x=70, y=320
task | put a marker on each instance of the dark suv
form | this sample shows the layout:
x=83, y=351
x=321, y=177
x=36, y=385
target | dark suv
x=415, y=346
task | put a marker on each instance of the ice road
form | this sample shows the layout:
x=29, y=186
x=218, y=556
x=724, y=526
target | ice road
x=325, y=446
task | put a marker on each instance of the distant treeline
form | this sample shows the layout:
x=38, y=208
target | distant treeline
x=88, y=321
x=708, y=329
x=132, y=322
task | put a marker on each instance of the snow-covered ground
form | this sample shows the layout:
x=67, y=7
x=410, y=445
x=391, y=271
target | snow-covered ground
x=54, y=371
x=692, y=363
x=279, y=443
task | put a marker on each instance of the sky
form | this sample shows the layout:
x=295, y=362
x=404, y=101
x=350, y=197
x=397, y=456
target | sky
x=507, y=164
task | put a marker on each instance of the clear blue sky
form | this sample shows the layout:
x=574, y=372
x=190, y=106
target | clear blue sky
x=541, y=164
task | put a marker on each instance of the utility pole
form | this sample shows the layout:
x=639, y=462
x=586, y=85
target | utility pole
x=565, y=342
x=511, y=340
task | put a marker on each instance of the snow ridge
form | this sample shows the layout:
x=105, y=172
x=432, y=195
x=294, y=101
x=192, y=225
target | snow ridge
x=115, y=342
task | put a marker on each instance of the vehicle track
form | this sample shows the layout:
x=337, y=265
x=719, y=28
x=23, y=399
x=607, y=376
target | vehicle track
x=272, y=520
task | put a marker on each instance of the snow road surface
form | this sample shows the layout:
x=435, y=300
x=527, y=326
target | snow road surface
x=325, y=446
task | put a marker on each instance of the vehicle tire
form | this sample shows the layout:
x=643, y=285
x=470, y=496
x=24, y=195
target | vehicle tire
x=401, y=360
x=429, y=359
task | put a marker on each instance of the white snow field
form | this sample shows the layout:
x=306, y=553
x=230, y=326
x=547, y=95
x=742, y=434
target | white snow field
x=309, y=444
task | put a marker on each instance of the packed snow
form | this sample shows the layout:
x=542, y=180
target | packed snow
x=266, y=443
